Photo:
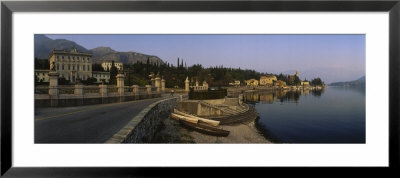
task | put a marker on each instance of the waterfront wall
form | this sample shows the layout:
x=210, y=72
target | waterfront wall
x=201, y=107
x=142, y=128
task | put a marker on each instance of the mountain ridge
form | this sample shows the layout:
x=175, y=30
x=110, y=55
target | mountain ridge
x=44, y=45
x=358, y=82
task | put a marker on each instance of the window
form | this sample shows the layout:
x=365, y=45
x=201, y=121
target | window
x=83, y=67
x=77, y=67
x=58, y=67
x=62, y=57
x=69, y=66
x=73, y=67
x=62, y=66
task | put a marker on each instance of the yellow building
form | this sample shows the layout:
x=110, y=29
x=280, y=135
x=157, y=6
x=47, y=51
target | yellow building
x=71, y=65
x=236, y=83
x=100, y=76
x=42, y=75
x=303, y=83
x=268, y=80
x=107, y=65
x=252, y=82
x=281, y=83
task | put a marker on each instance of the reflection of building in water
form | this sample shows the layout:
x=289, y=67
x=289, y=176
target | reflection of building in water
x=254, y=97
x=268, y=80
x=252, y=82
x=306, y=92
x=268, y=97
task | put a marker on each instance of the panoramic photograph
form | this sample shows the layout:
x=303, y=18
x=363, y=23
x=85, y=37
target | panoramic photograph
x=199, y=88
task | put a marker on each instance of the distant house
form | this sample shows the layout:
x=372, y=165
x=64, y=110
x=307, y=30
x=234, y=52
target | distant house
x=281, y=83
x=101, y=76
x=235, y=83
x=107, y=65
x=252, y=82
x=42, y=75
x=267, y=80
x=305, y=83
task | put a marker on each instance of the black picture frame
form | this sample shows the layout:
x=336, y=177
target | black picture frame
x=8, y=7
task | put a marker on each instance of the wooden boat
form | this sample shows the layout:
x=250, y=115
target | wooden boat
x=187, y=119
x=204, y=128
x=208, y=121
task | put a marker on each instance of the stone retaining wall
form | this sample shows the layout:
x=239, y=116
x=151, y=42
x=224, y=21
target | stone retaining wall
x=142, y=128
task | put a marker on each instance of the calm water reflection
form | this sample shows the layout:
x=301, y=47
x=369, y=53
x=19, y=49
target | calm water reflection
x=334, y=115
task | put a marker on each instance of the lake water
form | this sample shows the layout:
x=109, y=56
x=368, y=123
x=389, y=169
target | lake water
x=334, y=115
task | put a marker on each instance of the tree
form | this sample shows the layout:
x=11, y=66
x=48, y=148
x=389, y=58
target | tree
x=63, y=81
x=97, y=67
x=317, y=82
x=113, y=73
x=296, y=81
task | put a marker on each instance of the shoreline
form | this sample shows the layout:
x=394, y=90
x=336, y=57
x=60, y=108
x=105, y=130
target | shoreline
x=170, y=131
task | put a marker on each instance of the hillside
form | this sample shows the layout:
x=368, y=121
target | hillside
x=44, y=45
x=358, y=82
x=101, y=54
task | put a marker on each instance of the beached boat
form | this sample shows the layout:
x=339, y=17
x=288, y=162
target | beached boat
x=205, y=128
x=208, y=121
x=184, y=118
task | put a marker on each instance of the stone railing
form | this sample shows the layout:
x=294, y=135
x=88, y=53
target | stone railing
x=199, y=88
x=75, y=95
x=142, y=128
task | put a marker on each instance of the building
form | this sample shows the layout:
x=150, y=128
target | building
x=235, y=83
x=252, y=82
x=268, y=80
x=281, y=83
x=305, y=83
x=292, y=78
x=107, y=65
x=42, y=75
x=101, y=76
x=71, y=65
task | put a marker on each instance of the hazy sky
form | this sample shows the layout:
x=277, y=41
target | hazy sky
x=331, y=57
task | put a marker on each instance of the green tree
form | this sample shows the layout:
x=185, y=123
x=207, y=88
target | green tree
x=113, y=74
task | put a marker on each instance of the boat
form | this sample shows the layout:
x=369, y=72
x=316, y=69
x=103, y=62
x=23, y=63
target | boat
x=205, y=128
x=208, y=121
x=187, y=119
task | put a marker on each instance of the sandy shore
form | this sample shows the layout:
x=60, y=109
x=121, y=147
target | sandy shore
x=172, y=132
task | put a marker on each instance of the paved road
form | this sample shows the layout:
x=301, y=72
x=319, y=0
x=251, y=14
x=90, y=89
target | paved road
x=85, y=124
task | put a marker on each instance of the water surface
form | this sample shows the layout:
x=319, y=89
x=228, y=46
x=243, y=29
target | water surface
x=334, y=115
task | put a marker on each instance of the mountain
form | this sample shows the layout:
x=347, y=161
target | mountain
x=358, y=82
x=44, y=45
x=101, y=54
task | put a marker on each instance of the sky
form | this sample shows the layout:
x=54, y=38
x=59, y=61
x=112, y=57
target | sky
x=333, y=58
